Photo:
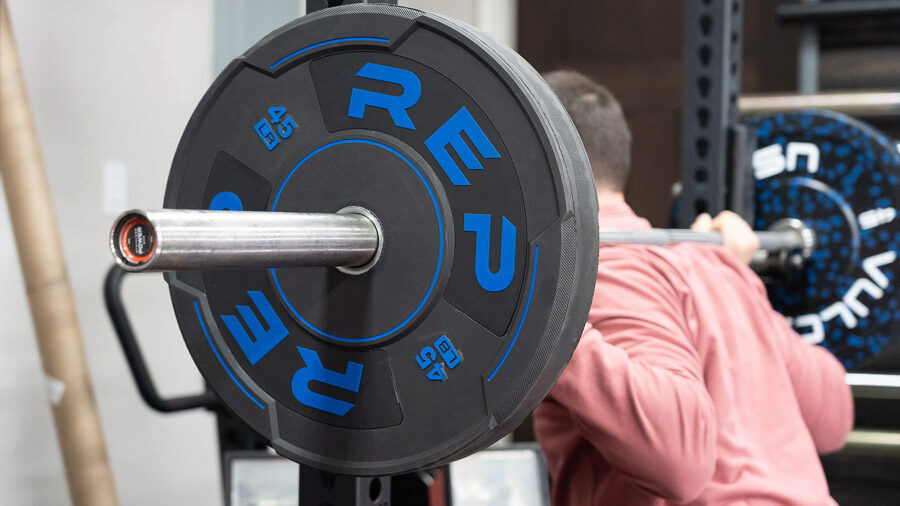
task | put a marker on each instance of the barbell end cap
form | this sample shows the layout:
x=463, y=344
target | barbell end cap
x=132, y=240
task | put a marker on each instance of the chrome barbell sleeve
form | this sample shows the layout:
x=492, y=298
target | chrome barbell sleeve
x=176, y=239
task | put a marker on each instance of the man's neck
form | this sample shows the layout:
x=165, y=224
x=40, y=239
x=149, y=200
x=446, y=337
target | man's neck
x=607, y=197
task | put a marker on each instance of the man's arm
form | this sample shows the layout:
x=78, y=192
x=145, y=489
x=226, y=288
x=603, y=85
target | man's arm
x=636, y=393
x=825, y=399
x=821, y=388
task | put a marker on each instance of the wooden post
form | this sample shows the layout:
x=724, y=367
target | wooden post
x=50, y=296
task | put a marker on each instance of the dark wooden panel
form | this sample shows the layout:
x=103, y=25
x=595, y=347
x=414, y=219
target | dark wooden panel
x=634, y=49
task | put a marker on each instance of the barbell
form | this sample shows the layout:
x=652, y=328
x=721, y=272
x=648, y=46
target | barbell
x=380, y=234
x=174, y=239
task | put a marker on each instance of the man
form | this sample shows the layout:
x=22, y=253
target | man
x=686, y=387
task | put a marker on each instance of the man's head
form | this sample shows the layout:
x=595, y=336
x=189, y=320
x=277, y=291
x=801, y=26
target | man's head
x=600, y=122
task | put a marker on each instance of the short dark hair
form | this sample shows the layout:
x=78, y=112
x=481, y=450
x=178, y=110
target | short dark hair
x=600, y=122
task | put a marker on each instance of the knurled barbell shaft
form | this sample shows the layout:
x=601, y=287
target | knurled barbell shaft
x=176, y=239
x=769, y=240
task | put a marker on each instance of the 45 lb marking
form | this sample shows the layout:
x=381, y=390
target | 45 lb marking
x=428, y=358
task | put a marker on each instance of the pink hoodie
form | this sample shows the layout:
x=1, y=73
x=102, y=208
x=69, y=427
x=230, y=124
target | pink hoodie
x=687, y=387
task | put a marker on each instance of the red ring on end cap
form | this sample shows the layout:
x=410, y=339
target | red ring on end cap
x=125, y=250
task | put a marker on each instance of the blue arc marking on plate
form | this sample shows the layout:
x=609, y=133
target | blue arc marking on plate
x=437, y=269
x=325, y=43
x=216, y=352
x=522, y=321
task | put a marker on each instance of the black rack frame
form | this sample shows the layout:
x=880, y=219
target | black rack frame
x=715, y=148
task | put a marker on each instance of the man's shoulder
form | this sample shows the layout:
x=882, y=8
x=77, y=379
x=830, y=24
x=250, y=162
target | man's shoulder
x=681, y=266
x=681, y=257
x=660, y=259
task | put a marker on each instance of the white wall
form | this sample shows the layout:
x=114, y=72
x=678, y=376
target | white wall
x=112, y=84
